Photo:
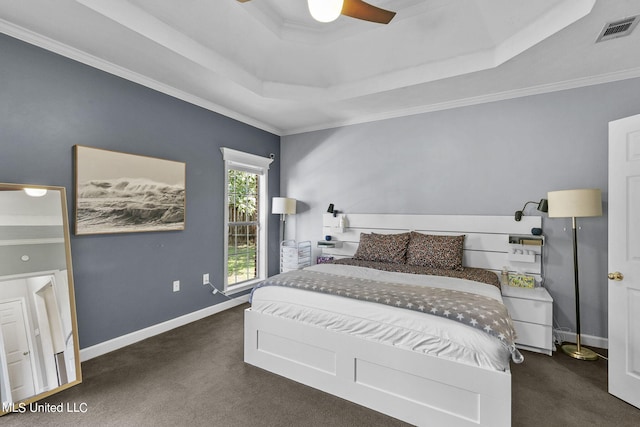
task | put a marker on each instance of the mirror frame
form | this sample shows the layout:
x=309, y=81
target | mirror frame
x=72, y=300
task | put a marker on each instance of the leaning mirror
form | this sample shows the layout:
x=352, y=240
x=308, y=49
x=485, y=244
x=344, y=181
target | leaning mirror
x=39, y=353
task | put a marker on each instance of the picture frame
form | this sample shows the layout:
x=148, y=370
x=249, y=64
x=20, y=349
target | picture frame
x=117, y=192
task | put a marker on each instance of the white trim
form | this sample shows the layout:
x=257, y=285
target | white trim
x=133, y=337
x=242, y=286
x=100, y=64
x=240, y=158
x=62, y=49
x=474, y=100
x=33, y=350
x=22, y=242
x=38, y=220
x=252, y=163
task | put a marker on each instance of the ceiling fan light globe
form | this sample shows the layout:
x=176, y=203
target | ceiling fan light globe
x=325, y=10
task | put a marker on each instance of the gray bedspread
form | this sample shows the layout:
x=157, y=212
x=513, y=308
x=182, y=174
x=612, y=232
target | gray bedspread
x=476, y=311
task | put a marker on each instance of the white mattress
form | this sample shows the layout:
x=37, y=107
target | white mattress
x=402, y=328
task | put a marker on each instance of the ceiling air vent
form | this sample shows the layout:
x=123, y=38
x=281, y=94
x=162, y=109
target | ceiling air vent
x=617, y=29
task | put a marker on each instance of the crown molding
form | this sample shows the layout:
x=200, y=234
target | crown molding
x=482, y=99
x=26, y=242
x=106, y=66
x=62, y=49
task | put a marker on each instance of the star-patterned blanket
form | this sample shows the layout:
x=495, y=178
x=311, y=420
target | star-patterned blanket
x=477, y=311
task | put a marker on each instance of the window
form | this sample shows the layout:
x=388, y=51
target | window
x=243, y=224
x=245, y=219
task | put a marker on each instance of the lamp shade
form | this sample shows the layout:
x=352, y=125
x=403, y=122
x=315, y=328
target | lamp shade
x=283, y=205
x=575, y=203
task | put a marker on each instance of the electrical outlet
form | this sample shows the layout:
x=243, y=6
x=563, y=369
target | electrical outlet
x=176, y=285
x=205, y=279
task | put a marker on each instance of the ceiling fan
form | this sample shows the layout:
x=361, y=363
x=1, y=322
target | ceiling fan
x=329, y=10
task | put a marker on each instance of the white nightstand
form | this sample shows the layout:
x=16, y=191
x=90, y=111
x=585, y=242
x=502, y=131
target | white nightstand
x=294, y=256
x=532, y=314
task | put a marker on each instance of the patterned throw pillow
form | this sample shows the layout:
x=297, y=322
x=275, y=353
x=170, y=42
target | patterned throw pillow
x=444, y=252
x=382, y=247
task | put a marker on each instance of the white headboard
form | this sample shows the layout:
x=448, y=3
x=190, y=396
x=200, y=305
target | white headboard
x=486, y=243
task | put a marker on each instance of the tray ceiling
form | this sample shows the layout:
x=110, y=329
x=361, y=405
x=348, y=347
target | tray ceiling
x=269, y=64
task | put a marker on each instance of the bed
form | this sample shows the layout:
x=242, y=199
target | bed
x=421, y=368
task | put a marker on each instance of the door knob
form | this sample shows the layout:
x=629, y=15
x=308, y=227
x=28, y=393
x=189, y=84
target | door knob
x=615, y=276
x=26, y=353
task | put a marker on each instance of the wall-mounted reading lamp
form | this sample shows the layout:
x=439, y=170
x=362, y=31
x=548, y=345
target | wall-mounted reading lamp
x=333, y=211
x=543, y=206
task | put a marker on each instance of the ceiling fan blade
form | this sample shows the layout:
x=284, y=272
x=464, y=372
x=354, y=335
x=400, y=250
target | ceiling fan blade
x=361, y=10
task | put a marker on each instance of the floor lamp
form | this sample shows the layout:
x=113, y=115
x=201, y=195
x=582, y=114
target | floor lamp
x=576, y=204
x=283, y=206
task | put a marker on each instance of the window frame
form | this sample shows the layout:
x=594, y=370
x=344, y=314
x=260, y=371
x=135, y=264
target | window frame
x=252, y=163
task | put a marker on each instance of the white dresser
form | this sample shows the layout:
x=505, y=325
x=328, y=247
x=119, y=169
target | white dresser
x=532, y=314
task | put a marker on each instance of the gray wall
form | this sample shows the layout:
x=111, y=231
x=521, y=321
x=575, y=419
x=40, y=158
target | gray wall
x=123, y=282
x=480, y=160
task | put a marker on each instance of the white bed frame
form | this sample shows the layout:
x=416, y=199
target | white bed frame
x=416, y=388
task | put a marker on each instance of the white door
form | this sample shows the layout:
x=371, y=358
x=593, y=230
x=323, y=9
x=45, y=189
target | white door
x=624, y=258
x=17, y=351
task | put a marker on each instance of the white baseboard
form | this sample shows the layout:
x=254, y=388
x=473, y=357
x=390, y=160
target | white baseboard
x=588, y=340
x=133, y=337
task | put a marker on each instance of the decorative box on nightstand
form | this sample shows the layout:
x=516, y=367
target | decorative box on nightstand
x=532, y=314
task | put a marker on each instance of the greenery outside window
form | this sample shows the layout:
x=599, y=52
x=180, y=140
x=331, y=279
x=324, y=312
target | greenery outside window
x=246, y=209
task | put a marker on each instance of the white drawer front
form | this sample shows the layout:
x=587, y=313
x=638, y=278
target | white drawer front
x=529, y=310
x=533, y=335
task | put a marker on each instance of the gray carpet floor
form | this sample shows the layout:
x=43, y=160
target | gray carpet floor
x=194, y=376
